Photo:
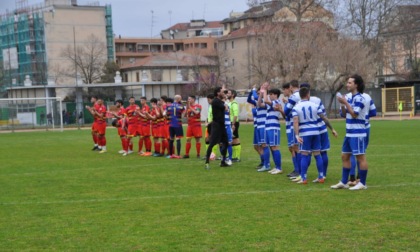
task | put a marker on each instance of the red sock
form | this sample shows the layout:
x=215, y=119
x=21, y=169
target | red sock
x=187, y=148
x=164, y=146
x=130, y=145
x=141, y=143
x=148, y=143
x=95, y=138
x=103, y=140
x=157, y=147
x=125, y=143
x=198, y=147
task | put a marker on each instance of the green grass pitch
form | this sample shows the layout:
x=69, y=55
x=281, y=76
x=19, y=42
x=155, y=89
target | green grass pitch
x=56, y=194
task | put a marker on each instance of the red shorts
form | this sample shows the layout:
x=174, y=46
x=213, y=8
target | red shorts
x=133, y=130
x=194, y=131
x=94, y=127
x=100, y=127
x=145, y=130
x=156, y=132
x=165, y=131
x=121, y=131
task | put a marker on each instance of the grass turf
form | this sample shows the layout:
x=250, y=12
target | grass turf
x=56, y=194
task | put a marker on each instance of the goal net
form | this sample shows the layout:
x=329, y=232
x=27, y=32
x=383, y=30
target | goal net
x=31, y=113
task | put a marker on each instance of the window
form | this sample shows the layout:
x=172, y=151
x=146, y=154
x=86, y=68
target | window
x=233, y=80
x=225, y=27
x=407, y=63
x=157, y=75
x=185, y=74
x=233, y=44
x=393, y=65
x=225, y=45
x=233, y=62
x=215, y=46
x=137, y=77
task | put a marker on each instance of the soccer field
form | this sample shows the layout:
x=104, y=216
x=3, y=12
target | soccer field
x=57, y=194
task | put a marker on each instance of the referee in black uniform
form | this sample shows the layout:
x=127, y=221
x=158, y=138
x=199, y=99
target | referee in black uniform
x=218, y=132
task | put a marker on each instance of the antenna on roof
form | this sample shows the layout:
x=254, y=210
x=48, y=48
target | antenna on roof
x=170, y=18
x=204, y=12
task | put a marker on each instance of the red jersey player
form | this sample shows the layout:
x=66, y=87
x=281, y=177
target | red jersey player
x=145, y=128
x=131, y=115
x=155, y=116
x=93, y=100
x=99, y=114
x=121, y=126
x=193, y=114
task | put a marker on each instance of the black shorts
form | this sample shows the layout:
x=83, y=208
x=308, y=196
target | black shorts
x=236, y=131
x=177, y=132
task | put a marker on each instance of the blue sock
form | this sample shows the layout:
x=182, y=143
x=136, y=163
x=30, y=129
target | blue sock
x=262, y=158
x=229, y=149
x=310, y=159
x=295, y=165
x=363, y=176
x=319, y=166
x=299, y=161
x=353, y=165
x=304, y=165
x=277, y=158
x=345, y=175
x=324, y=156
x=267, y=157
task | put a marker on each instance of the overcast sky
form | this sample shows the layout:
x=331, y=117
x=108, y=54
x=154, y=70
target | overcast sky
x=133, y=18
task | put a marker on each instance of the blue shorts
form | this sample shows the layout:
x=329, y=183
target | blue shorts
x=325, y=141
x=311, y=143
x=229, y=133
x=354, y=145
x=272, y=137
x=255, y=142
x=177, y=132
x=261, y=135
x=291, y=139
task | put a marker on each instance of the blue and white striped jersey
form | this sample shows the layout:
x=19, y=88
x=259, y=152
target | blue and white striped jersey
x=372, y=109
x=227, y=115
x=308, y=114
x=356, y=127
x=273, y=116
x=292, y=101
x=321, y=123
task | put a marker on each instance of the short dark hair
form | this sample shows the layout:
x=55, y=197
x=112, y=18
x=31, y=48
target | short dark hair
x=153, y=100
x=164, y=97
x=143, y=98
x=192, y=96
x=210, y=96
x=275, y=91
x=294, y=83
x=216, y=91
x=286, y=85
x=169, y=100
x=234, y=93
x=119, y=101
x=132, y=97
x=114, y=122
x=358, y=80
x=306, y=85
x=303, y=92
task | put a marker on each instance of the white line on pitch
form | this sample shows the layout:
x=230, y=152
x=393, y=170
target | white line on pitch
x=188, y=195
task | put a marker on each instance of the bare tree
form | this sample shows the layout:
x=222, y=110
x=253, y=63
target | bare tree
x=337, y=59
x=308, y=8
x=88, y=59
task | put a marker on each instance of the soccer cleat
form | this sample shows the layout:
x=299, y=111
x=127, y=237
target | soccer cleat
x=293, y=174
x=318, y=180
x=263, y=169
x=270, y=171
x=147, y=154
x=297, y=179
x=121, y=152
x=224, y=164
x=359, y=186
x=102, y=151
x=140, y=153
x=219, y=158
x=236, y=160
x=259, y=166
x=198, y=156
x=125, y=154
x=303, y=182
x=130, y=151
x=95, y=148
x=173, y=156
x=186, y=156
x=229, y=162
x=207, y=166
x=340, y=185
x=352, y=183
x=276, y=171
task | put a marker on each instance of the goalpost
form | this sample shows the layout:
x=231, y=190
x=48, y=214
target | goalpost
x=31, y=113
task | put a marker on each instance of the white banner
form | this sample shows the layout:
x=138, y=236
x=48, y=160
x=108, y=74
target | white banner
x=10, y=58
